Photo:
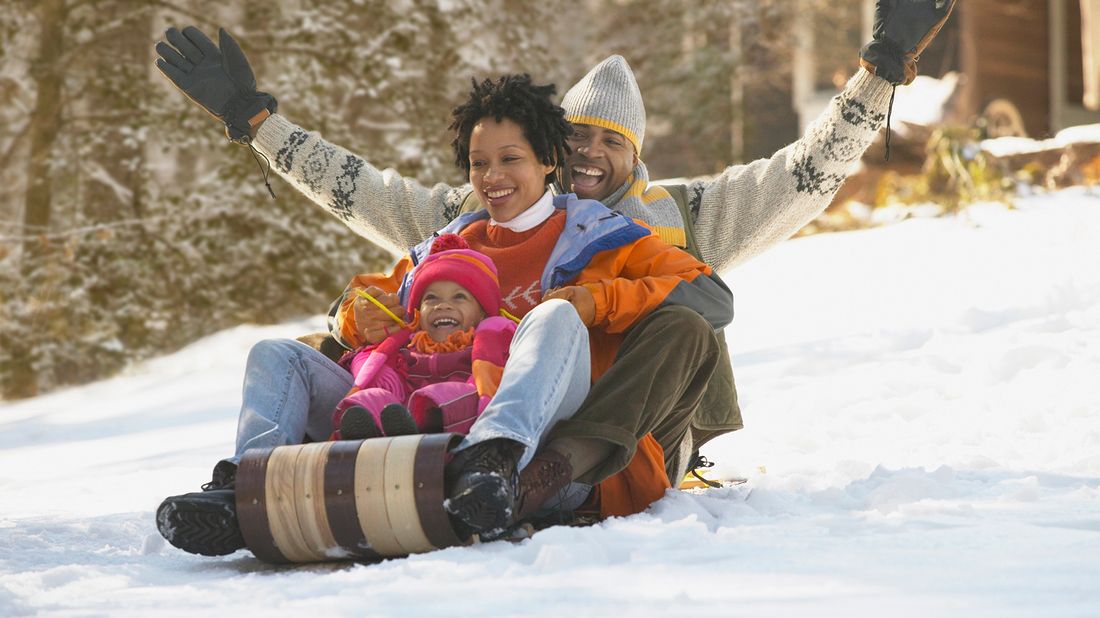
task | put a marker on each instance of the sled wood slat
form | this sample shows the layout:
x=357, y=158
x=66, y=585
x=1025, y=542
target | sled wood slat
x=370, y=499
x=400, y=492
x=428, y=483
x=281, y=509
x=343, y=519
x=309, y=499
x=357, y=499
x=252, y=505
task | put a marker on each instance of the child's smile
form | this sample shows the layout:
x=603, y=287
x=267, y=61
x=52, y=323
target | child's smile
x=448, y=308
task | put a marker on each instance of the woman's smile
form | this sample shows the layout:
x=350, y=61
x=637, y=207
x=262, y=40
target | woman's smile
x=497, y=197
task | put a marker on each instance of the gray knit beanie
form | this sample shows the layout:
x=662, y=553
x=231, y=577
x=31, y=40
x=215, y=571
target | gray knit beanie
x=608, y=97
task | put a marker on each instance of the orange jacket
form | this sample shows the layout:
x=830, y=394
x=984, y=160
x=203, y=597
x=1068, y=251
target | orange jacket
x=630, y=272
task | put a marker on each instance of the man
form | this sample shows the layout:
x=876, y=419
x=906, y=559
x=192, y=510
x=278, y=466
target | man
x=725, y=221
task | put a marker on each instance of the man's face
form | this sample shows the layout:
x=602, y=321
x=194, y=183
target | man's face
x=600, y=162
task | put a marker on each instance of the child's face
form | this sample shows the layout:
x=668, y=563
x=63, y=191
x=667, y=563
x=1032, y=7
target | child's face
x=446, y=308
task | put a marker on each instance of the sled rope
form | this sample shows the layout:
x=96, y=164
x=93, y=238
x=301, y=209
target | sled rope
x=385, y=310
x=509, y=316
x=401, y=322
x=700, y=461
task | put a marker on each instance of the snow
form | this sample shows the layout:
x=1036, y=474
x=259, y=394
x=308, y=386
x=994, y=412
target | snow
x=924, y=101
x=921, y=439
x=1005, y=146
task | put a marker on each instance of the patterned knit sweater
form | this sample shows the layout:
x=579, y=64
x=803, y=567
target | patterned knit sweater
x=735, y=215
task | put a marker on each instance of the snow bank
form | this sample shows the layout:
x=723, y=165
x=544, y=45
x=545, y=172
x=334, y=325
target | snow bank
x=921, y=439
x=1005, y=146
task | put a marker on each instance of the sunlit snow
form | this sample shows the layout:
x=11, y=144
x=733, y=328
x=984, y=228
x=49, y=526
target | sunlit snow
x=922, y=438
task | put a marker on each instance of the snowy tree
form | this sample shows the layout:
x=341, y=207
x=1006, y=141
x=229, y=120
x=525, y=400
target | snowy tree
x=131, y=226
x=134, y=227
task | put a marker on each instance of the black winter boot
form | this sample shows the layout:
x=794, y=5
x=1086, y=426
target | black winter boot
x=398, y=421
x=358, y=424
x=482, y=484
x=204, y=522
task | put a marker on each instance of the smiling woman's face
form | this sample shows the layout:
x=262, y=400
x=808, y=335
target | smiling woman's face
x=504, y=170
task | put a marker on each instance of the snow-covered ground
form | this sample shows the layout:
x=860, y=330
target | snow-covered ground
x=922, y=438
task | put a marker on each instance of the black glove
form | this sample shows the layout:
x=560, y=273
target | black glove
x=903, y=28
x=219, y=80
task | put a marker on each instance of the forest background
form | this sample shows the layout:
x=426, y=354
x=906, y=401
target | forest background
x=129, y=226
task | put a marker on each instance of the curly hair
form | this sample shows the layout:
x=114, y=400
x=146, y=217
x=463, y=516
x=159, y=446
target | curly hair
x=514, y=97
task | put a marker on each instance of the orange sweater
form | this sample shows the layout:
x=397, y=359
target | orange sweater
x=627, y=284
x=519, y=257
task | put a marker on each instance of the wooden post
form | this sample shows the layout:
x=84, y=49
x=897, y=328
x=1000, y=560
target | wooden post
x=1056, y=24
x=968, y=52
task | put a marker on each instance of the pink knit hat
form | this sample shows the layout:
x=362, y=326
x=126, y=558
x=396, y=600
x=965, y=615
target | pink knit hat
x=452, y=259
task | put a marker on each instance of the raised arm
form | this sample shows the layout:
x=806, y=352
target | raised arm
x=382, y=206
x=749, y=208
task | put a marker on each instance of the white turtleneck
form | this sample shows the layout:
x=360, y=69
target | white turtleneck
x=538, y=212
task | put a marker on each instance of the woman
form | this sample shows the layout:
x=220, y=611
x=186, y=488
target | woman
x=575, y=272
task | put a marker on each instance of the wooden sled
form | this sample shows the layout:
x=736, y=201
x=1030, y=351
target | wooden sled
x=346, y=500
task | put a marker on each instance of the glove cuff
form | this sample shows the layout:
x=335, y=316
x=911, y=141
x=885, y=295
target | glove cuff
x=241, y=110
x=886, y=61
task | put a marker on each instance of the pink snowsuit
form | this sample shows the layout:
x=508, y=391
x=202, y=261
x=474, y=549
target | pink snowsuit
x=444, y=391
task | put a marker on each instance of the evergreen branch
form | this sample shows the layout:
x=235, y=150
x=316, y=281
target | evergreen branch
x=69, y=53
x=377, y=43
x=193, y=16
x=80, y=231
x=4, y=160
x=307, y=52
x=382, y=126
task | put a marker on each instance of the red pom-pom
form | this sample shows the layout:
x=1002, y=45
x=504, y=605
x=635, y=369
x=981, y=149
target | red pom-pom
x=447, y=242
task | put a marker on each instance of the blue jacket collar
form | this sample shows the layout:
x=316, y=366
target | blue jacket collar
x=590, y=228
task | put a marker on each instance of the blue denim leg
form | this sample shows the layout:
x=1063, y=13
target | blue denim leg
x=545, y=379
x=290, y=392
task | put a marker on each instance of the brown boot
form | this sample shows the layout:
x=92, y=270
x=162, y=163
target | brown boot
x=548, y=473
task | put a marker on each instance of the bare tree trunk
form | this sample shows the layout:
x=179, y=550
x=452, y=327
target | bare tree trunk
x=22, y=380
x=117, y=188
x=45, y=124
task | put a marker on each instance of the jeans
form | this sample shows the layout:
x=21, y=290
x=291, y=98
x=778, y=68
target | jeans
x=291, y=390
x=545, y=379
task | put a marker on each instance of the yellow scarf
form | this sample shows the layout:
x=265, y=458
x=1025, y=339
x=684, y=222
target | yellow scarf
x=650, y=204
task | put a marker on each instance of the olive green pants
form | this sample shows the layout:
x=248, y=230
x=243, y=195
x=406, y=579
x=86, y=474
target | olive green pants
x=655, y=385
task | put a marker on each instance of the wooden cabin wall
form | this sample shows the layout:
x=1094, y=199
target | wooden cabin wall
x=1005, y=55
x=1075, y=78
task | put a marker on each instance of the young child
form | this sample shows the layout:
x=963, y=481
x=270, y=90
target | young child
x=439, y=372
